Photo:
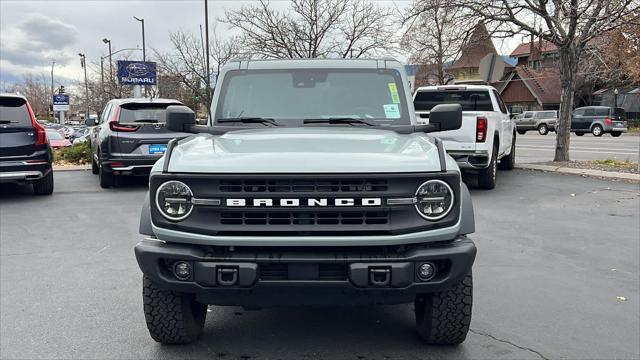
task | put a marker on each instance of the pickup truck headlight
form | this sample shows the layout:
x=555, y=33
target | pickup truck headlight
x=173, y=199
x=434, y=199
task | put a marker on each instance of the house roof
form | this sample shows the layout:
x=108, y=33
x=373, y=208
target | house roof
x=477, y=47
x=525, y=48
x=543, y=84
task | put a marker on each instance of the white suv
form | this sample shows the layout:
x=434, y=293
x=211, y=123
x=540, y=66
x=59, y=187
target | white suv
x=487, y=135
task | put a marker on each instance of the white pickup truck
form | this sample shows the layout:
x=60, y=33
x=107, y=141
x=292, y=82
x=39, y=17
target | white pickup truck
x=487, y=137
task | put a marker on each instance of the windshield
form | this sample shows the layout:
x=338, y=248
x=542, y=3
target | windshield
x=136, y=113
x=478, y=100
x=290, y=96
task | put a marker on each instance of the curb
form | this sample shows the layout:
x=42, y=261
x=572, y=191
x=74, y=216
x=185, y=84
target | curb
x=586, y=172
x=71, y=167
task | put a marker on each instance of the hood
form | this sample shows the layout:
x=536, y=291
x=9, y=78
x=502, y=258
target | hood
x=305, y=150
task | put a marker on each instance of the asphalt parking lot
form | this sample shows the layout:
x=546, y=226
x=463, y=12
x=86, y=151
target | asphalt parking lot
x=554, y=254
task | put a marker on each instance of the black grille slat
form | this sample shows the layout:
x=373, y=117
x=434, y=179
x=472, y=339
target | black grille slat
x=254, y=186
x=326, y=272
x=304, y=218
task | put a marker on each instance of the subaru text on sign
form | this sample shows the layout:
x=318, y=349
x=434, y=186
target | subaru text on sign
x=136, y=72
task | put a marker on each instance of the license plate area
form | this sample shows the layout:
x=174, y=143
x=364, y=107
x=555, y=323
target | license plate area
x=157, y=149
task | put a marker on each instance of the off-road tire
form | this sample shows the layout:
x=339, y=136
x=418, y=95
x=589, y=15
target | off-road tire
x=172, y=317
x=443, y=318
x=579, y=134
x=44, y=186
x=543, y=129
x=522, y=132
x=616, y=133
x=487, y=176
x=509, y=162
x=107, y=180
x=597, y=130
x=94, y=166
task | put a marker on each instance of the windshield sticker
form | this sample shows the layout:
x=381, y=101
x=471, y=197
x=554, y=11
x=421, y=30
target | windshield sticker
x=392, y=111
x=393, y=90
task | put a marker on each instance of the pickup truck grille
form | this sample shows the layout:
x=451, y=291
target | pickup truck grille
x=302, y=185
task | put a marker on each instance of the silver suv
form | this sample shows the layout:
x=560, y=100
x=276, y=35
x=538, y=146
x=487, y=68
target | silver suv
x=542, y=121
x=599, y=120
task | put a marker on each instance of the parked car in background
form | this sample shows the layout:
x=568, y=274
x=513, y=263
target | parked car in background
x=81, y=139
x=487, y=135
x=25, y=154
x=56, y=140
x=78, y=132
x=542, y=121
x=67, y=131
x=129, y=137
x=599, y=120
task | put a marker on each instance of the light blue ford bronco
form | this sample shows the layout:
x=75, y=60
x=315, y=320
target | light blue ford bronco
x=312, y=185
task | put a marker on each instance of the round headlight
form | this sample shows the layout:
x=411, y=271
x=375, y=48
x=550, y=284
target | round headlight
x=434, y=199
x=173, y=199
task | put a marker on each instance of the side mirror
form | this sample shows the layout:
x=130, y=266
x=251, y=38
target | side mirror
x=446, y=117
x=180, y=118
x=91, y=122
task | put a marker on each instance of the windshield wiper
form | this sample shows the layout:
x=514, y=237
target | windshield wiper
x=338, y=120
x=249, y=120
x=8, y=121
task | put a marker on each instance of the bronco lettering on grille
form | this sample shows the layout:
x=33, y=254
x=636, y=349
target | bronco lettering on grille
x=293, y=202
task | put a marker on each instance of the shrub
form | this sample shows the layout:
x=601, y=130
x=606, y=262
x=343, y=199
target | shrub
x=77, y=154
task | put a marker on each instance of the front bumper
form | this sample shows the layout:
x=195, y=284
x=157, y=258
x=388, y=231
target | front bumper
x=261, y=277
x=471, y=160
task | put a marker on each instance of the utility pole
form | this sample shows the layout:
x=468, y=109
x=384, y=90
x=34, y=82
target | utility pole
x=53, y=62
x=144, y=56
x=102, y=73
x=83, y=63
x=208, y=79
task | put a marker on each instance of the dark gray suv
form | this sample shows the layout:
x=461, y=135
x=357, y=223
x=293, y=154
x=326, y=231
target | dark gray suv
x=599, y=120
x=129, y=137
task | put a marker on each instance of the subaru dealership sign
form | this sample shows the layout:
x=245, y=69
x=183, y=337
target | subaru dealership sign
x=136, y=72
x=60, y=102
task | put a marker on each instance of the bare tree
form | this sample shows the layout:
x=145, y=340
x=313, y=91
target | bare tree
x=570, y=25
x=434, y=35
x=313, y=28
x=37, y=89
x=186, y=62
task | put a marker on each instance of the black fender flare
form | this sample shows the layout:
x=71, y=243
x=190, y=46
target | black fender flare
x=145, y=218
x=467, y=222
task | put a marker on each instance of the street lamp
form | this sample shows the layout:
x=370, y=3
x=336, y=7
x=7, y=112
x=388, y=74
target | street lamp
x=615, y=97
x=83, y=64
x=144, y=56
x=107, y=41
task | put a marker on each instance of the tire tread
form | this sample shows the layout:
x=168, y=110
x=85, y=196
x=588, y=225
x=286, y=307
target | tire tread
x=168, y=315
x=446, y=316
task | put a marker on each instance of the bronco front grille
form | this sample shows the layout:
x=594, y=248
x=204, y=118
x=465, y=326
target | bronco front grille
x=305, y=218
x=302, y=185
